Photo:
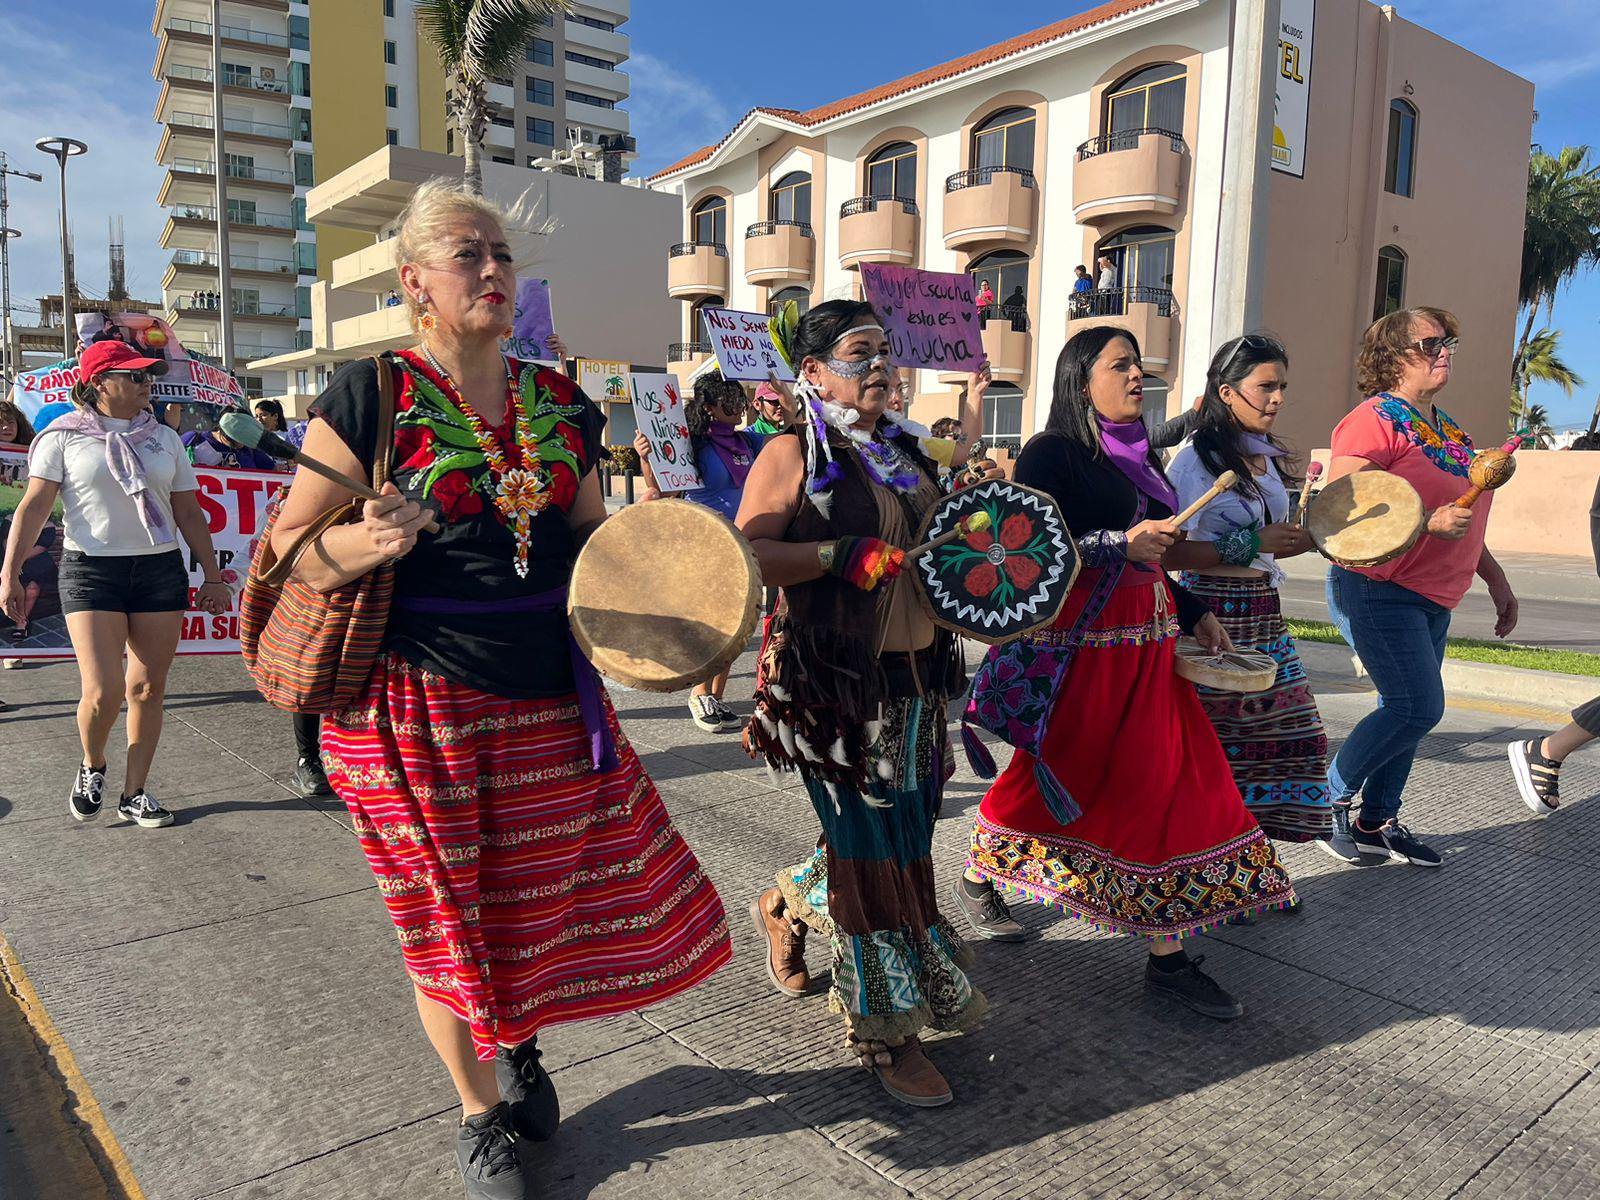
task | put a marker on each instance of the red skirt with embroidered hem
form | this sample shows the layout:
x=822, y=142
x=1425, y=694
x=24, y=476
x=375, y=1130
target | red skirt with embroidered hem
x=1165, y=847
x=527, y=889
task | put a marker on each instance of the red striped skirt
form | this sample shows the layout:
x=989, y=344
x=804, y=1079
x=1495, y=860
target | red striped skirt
x=527, y=888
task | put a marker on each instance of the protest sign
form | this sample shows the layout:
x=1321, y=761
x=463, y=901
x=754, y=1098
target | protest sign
x=659, y=411
x=234, y=503
x=532, y=323
x=742, y=344
x=32, y=390
x=602, y=381
x=188, y=380
x=929, y=317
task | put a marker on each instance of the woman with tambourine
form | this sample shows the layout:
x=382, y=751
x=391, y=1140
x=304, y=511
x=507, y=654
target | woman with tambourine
x=1395, y=615
x=1274, y=738
x=1125, y=814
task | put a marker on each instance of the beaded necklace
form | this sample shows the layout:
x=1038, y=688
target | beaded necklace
x=521, y=492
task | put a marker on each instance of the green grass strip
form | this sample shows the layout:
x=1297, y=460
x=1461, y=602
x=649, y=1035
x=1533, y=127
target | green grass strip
x=1506, y=654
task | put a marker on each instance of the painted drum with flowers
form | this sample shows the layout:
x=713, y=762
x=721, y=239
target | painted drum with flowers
x=1005, y=580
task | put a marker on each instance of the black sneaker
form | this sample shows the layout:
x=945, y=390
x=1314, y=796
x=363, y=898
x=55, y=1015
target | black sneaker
x=310, y=780
x=703, y=712
x=1538, y=778
x=1393, y=840
x=144, y=810
x=1188, y=984
x=725, y=714
x=84, y=801
x=486, y=1152
x=1339, y=843
x=526, y=1086
x=985, y=911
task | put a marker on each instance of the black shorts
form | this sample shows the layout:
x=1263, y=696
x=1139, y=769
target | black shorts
x=125, y=583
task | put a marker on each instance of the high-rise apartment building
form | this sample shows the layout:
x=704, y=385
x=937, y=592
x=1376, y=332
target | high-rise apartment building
x=377, y=81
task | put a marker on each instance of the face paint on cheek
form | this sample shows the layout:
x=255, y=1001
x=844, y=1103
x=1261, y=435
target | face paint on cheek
x=857, y=370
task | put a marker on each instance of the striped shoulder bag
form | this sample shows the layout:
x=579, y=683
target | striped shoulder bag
x=311, y=651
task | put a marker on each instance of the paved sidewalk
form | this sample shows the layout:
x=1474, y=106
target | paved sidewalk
x=231, y=989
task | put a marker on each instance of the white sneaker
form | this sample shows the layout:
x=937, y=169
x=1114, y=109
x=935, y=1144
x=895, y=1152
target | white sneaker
x=703, y=711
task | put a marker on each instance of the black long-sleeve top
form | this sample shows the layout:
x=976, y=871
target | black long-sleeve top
x=1096, y=499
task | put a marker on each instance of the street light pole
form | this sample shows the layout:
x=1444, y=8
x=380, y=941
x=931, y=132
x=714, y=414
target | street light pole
x=224, y=266
x=7, y=367
x=61, y=149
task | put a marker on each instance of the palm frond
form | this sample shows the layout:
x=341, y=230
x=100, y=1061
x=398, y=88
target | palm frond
x=443, y=24
x=497, y=32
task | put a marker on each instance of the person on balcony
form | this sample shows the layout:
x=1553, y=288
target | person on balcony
x=1081, y=287
x=1109, y=295
x=985, y=296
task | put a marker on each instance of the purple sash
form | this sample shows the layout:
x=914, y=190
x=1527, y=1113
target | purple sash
x=586, y=681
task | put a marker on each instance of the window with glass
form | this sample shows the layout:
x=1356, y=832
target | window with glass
x=302, y=303
x=391, y=96
x=1005, y=140
x=590, y=60
x=791, y=198
x=1143, y=259
x=388, y=52
x=304, y=174
x=297, y=208
x=300, y=79
x=299, y=32
x=541, y=132
x=305, y=258
x=236, y=75
x=1400, y=170
x=589, y=98
x=241, y=212
x=388, y=8
x=799, y=295
x=1155, y=399
x=709, y=221
x=541, y=51
x=622, y=426
x=247, y=301
x=1150, y=98
x=300, y=124
x=254, y=386
x=1391, y=295
x=241, y=166
x=892, y=172
x=697, y=322
x=392, y=136
x=539, y=91
x=1006, y=273
x=1002, y=416
x=591, y=22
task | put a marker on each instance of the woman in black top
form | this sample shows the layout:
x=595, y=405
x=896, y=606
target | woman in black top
x=1163, y=847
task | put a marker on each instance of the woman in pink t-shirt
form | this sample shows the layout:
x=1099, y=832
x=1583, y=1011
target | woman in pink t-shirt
x=1395, y=616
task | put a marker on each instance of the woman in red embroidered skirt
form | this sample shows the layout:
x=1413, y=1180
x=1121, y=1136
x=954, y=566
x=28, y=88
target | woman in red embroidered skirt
x=1163, y=846
x=525, y=858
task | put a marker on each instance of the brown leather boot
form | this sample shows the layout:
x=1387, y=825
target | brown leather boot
x=786, y=943
x=912, y=1078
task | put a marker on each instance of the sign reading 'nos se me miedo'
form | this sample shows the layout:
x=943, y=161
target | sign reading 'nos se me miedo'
x=1293, y=104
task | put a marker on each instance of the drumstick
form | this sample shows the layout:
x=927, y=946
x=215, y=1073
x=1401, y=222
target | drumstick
x=1224, y=481
x=1313, y=473
x=247, y=431
x=973, y=523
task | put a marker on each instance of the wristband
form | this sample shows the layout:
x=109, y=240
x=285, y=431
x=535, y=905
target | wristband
x=826, y=552
x=1239, y=548
x=864, y=561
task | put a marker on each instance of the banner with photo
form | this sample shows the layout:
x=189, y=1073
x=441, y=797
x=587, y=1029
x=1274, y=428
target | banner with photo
x=235, y=504
x=188, y=380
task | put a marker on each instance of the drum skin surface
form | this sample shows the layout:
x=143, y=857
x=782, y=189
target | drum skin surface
x=664, y=595
x=1232, y=671
x=1366, y=518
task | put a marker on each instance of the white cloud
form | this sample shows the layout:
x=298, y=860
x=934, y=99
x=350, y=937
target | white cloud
x=672, y=113
x=52, y=86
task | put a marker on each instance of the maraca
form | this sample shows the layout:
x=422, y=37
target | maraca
x=1491, y=469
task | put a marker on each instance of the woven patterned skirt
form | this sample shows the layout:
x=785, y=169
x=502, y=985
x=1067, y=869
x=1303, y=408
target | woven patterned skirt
x=1274, y=739
x=1164, y=848
x=527, y=888
x=898, y=966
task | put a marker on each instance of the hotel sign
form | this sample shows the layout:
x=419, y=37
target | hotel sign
x=1293, y=104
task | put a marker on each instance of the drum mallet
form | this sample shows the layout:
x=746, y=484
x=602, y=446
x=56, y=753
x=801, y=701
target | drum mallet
x=1489, y=470
x=972, y=523
x=247, y=431
x=1313, y=473
x=1224, y=481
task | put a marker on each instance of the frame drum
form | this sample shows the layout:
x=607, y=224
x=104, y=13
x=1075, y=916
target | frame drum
x=1232, y=671
x=1366, y=518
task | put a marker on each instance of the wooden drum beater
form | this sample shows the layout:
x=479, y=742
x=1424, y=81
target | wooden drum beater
x=1490, y=469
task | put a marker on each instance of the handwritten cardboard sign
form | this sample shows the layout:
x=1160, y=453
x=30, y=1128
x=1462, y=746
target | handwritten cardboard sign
x=603, y=381
x=658, y=408
x=533, y=322
x=742, y=343
x=930, y=317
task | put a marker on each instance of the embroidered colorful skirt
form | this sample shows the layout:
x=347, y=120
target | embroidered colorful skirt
x=898, y=966
x=1274, y=739
x=1165, y=848
x=527, y=888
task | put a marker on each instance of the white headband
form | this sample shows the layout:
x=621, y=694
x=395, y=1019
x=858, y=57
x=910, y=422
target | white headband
x=857, y=329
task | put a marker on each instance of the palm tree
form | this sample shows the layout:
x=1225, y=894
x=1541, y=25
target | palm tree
x=1561, y=234
x=1538, y=360
x=1537, y=423
x=479, y=40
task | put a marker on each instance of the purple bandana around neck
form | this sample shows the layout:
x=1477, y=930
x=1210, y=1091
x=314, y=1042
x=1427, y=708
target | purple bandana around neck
x=733, y=450
x=1128, y=447
x=125, y=463
x=1254, y=443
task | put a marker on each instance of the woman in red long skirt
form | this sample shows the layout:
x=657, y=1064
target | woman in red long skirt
x=1129, y=818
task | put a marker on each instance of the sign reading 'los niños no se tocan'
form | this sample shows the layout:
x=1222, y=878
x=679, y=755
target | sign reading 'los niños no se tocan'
x=929, y=317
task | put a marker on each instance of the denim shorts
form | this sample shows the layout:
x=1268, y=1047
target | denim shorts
x=125, y=583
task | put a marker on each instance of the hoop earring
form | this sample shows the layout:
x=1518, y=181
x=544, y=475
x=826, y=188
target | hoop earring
x=427, y=321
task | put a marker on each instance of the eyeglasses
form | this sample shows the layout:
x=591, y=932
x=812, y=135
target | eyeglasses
x=140, y=376
x=1255, y=341
x=1432, y=347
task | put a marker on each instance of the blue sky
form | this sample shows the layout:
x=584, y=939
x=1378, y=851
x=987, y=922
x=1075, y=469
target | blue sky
x=88, y=75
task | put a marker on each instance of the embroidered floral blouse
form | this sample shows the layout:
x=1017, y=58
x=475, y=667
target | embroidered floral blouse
x=1432, y=453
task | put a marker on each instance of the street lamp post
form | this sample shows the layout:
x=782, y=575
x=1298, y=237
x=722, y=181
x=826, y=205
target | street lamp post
x=61, y=149
x=6, y=355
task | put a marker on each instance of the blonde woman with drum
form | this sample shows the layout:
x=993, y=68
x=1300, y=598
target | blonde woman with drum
x=1396, y=615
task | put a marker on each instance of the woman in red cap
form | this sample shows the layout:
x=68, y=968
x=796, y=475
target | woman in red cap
x=127, y=491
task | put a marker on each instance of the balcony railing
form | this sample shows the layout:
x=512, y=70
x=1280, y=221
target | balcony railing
x=1015, y=313
x=240, y=262
x=233, y=33
x=1114, y=302
x=1126, y=139
x=204, y=212
x=684, y=249
x=764, y=228
x=231, y=124
x=866, y=204
x=247, y=171
x=240, y=349
x=979, y=176
x=684, y=351
x=252, y=308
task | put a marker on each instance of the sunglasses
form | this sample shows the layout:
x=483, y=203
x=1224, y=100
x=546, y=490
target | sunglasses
x=140, y=376
x=1432, y=347
x=1253, y=340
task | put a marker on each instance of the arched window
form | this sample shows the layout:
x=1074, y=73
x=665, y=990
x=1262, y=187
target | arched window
x=1005, y=140
x=1002, y=416
x=892, y=172
x=697, y=324
x=1142, y=260
x=708, y=223
x=1155, y=400
x=1400, y=172
x=1150, y=98
x=1006, y=273
x=791, y=198
x=1391, y=282
x=799, y=295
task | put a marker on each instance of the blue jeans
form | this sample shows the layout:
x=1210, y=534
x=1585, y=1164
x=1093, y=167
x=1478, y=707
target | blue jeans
x=1400, y=637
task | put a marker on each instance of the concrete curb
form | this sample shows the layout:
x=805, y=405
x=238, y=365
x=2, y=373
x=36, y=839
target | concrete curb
x=1490, y=681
